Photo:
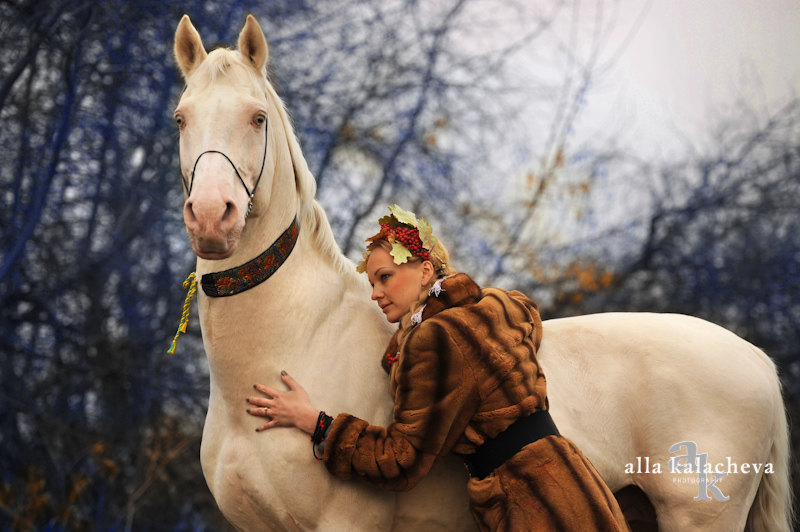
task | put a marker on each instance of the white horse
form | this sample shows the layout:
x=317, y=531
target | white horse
x=624, y=387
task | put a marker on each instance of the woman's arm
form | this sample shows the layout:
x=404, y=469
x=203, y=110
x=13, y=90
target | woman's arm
x=435, y=399
x=436, y=396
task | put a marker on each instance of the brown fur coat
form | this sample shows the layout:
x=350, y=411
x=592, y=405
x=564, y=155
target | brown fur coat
x=460, y=377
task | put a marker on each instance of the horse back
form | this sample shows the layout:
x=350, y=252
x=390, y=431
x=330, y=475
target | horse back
x=628, y=386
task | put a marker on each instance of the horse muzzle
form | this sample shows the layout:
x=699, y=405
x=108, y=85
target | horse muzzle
x=214, y=227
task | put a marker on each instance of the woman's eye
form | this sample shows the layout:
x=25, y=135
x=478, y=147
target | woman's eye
x=385, y=276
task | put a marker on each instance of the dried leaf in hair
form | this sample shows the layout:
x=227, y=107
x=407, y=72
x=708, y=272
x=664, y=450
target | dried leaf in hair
x=399, y=253
x=426, y=234
x=403, y=216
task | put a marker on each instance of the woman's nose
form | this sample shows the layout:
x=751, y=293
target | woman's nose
x=376, y=293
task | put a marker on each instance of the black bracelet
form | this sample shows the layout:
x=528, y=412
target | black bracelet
x=320, y=431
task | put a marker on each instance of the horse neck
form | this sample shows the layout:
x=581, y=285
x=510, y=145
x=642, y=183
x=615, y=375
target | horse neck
x=290, y=315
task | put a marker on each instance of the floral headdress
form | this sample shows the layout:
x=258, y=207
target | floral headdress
x=408, y=235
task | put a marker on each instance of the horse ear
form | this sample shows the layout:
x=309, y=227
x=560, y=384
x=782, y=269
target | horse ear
x=189, y=50
x=252, y=44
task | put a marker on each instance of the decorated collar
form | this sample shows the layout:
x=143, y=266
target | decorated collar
x=240, y=278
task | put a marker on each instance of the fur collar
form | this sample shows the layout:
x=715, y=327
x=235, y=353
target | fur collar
x=453, y=291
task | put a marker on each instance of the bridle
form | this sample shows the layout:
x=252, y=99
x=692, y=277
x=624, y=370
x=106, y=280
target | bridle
x=250, y=194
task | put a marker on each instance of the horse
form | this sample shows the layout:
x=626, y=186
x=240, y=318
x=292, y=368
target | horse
x=632, y=390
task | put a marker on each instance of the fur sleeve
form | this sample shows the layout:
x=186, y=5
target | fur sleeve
x=435, y=398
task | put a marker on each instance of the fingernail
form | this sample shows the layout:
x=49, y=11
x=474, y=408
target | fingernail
x=248, y=410
x=247, y=400
x=283, y=373
x=254, y=386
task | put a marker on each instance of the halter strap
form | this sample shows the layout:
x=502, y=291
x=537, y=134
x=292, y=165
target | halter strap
x=251, y=194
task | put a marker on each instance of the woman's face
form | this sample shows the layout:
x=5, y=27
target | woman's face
x=395, y=288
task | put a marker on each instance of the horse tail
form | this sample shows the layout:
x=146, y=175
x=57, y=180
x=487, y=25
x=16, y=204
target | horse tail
x=772, y=509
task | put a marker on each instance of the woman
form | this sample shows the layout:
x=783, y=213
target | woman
x=465, y=380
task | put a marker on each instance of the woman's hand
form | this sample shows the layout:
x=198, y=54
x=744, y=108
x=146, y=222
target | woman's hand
x=284, y=408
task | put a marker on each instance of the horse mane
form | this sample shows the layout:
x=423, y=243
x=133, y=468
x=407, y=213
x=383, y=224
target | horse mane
x=227, y=63
x=312, y=216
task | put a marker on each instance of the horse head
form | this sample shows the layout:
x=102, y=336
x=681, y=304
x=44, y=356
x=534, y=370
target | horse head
x=231, y=159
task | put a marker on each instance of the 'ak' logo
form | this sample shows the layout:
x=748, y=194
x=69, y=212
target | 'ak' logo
x=692, y=462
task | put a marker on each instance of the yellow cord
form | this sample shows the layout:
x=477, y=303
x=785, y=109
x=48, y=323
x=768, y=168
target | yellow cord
x=189, y=284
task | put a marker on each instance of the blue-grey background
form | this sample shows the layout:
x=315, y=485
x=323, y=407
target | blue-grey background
x=593, y=155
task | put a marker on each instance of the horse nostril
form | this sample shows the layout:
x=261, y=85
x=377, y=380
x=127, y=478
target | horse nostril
x=188, y=213
x=230, y=212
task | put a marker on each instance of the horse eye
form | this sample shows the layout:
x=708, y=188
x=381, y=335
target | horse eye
x=260, y=119
x=179, y=121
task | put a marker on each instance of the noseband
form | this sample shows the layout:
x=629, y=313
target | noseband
x=250, y=194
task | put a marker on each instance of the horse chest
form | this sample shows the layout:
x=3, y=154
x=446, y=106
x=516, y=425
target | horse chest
x=270, y=481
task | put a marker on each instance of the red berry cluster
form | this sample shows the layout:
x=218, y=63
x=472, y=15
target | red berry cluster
x=409, y=237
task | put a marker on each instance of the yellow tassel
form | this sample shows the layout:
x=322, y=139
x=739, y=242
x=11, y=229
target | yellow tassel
x=189, y=284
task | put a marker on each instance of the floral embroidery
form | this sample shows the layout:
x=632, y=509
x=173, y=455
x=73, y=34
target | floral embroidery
x=255, y=272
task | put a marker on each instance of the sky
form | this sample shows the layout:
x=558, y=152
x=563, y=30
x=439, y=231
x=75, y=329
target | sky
x=665, y=75
x=691, y=61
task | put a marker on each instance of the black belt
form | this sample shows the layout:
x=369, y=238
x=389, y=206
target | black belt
x=494, y=453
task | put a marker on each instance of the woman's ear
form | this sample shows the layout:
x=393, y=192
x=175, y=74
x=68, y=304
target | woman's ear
x=428, y=272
